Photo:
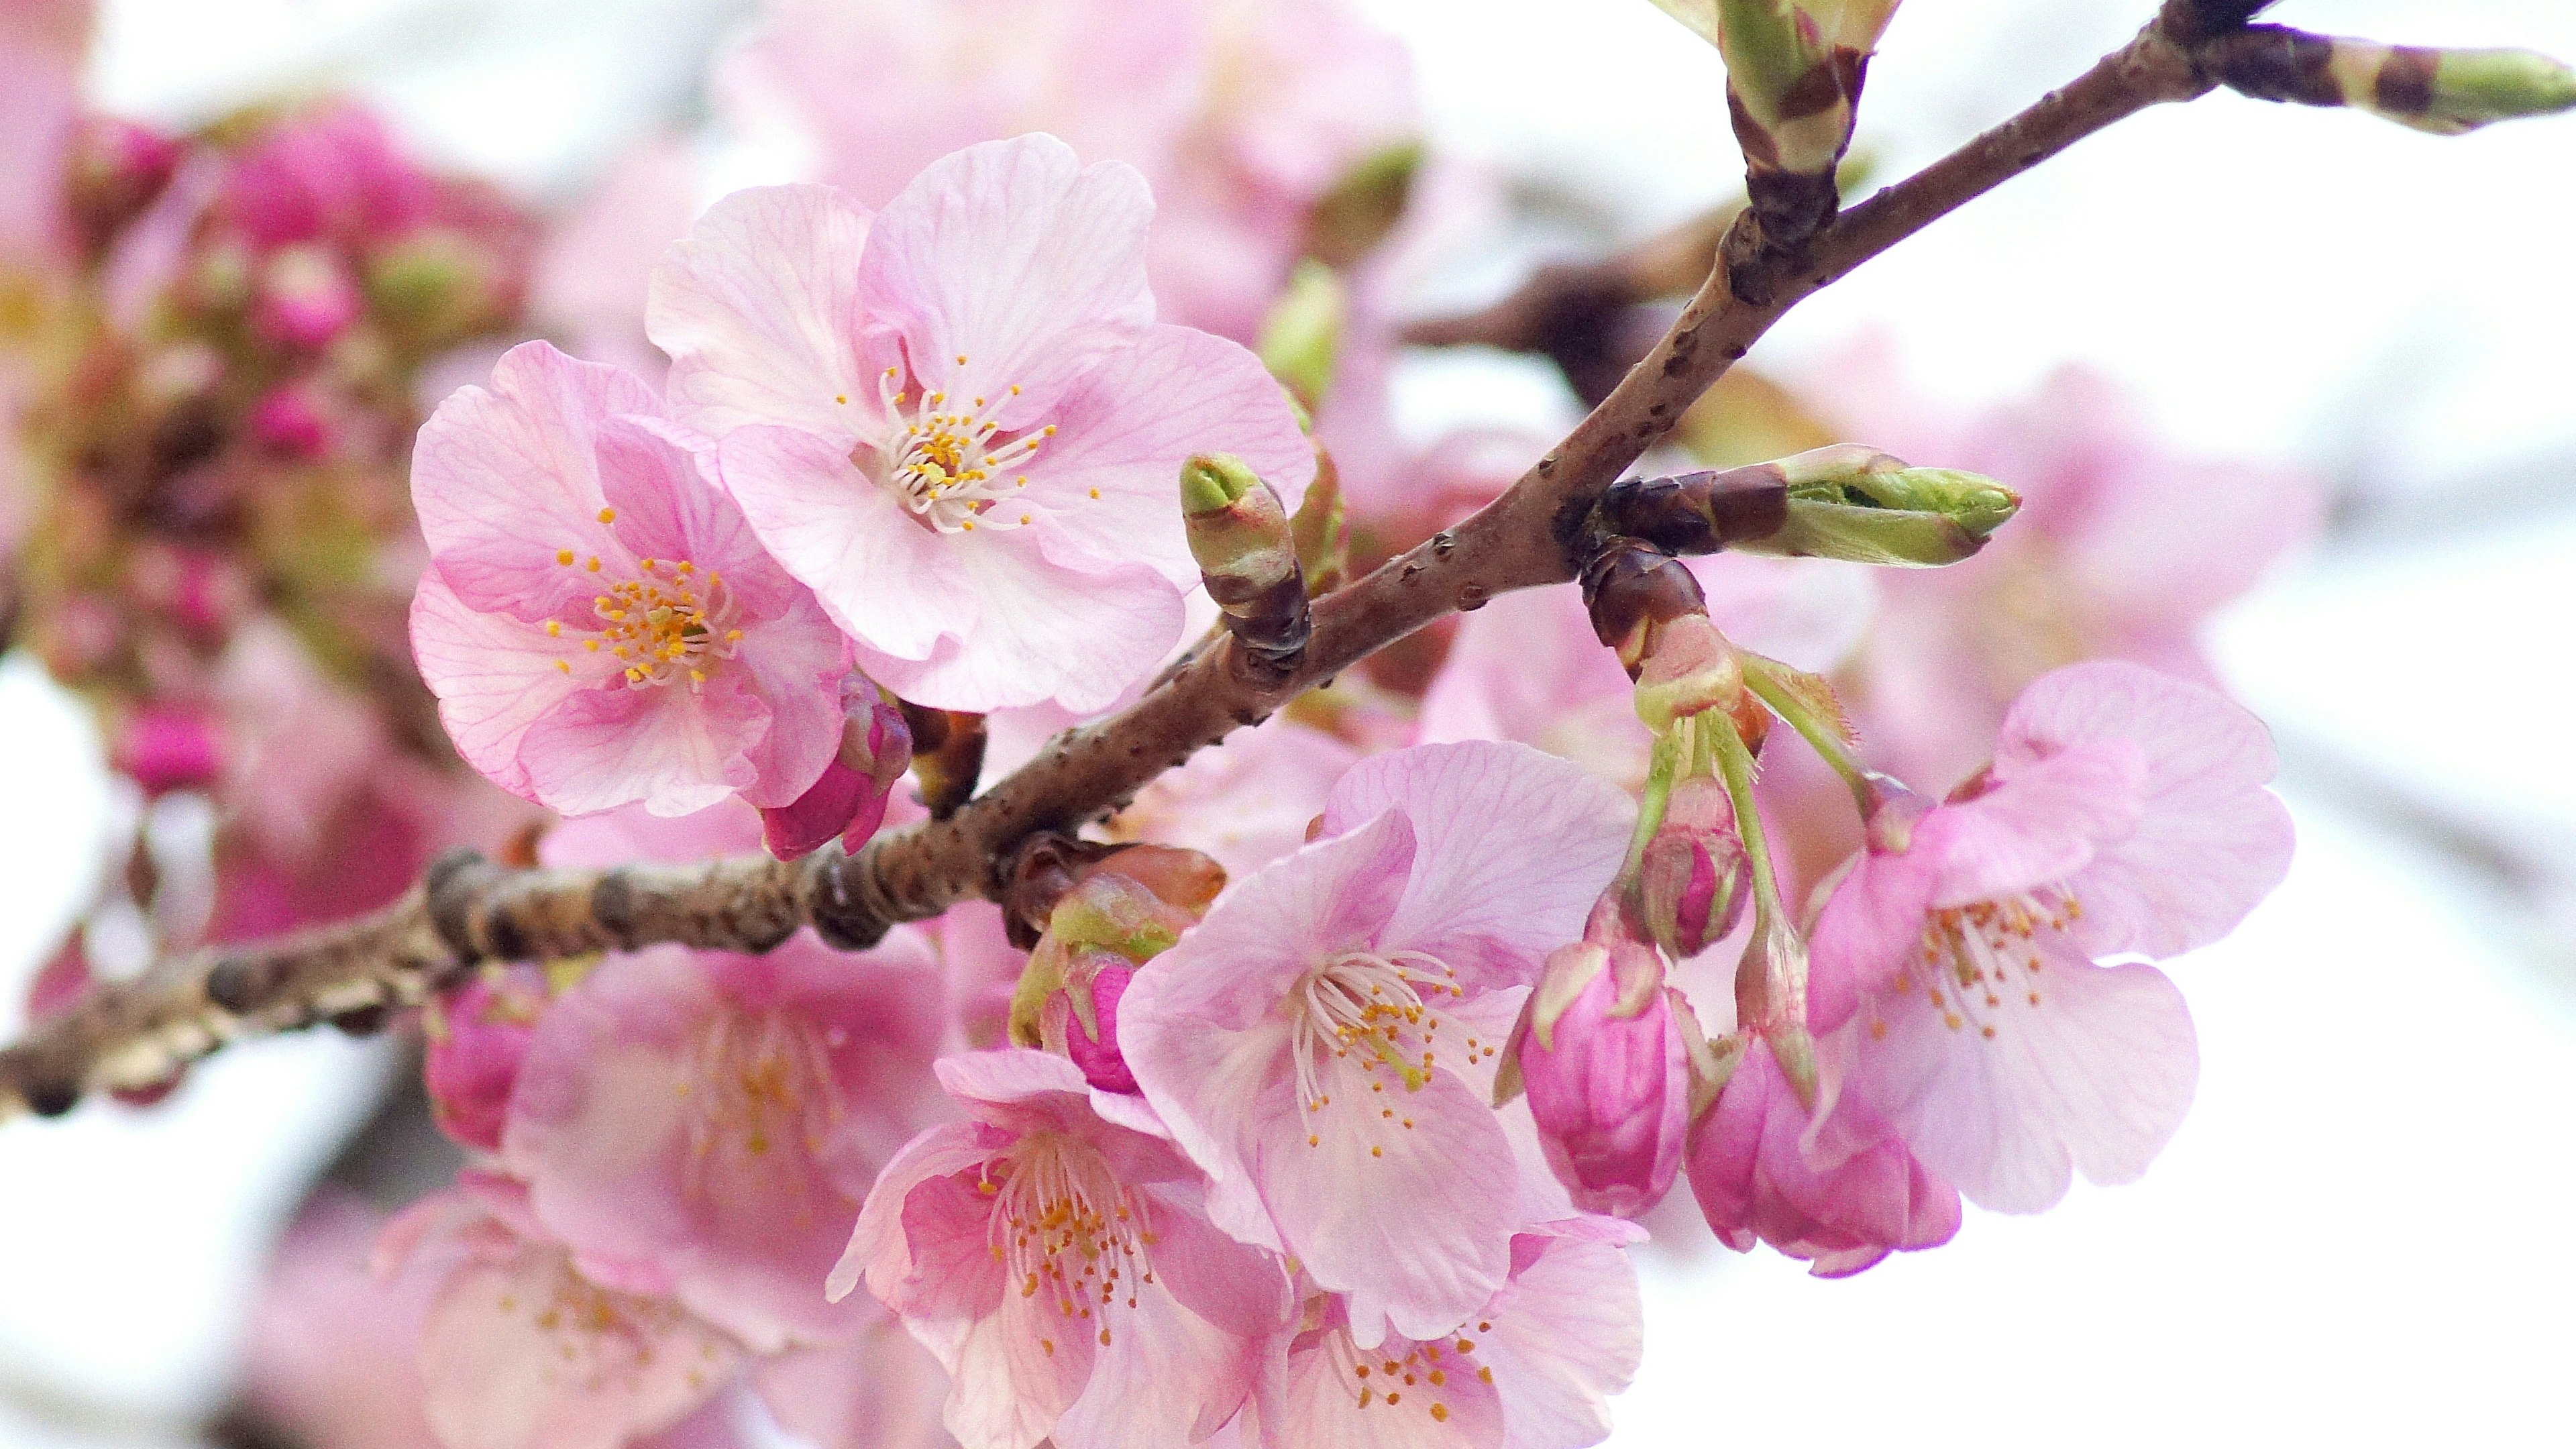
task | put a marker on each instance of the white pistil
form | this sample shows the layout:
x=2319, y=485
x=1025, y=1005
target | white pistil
x=943, y=460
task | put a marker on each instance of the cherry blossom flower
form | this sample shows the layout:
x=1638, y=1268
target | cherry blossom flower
x=1531, y=1369
x=705, y=1125
x=1325, y=1041
x=958, y=421
x=2124, y=815
x=1055, y=1253
x=1245, y=802
x=521, y=1349
x=331, y=1353
x=599, y=625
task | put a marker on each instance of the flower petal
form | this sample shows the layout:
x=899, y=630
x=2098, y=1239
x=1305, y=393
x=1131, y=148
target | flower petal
x=891, y=584
x=1046, y=633
x=494, y=676
x=759, y=308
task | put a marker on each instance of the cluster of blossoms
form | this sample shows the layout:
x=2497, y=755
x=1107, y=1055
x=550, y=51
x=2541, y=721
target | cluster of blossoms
x=210, y=346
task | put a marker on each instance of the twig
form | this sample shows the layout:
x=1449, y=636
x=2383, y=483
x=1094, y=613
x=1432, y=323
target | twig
x=470, y=910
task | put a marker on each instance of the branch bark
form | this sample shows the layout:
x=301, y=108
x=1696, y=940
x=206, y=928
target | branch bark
x=469, y=910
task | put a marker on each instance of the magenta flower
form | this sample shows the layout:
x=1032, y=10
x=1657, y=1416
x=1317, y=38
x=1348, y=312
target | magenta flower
x=599, y=625
x=331, y=173
x=1532, y=1369
x=959, y=423
x=705, y=1125
x=1056, y=1255
x=1956, y=991
x=1607, y=1069
x=1754, y=1182
x=1325, y=1041
x=522, y=1349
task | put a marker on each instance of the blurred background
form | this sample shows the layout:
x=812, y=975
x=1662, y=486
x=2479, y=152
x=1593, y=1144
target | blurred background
x=2359, y=1234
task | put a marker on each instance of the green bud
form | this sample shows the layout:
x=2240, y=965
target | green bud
x=1864, y=506
x=1239, y=536
x=1349, y=221
x=1211, y=481
x=2445, y=92
x=1301, y=339
x=2473, y=88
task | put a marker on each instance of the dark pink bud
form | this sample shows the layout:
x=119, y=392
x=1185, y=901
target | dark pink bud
x=293, y=422
x=63, y=982
x=114, y=169
x=1096, y=1052
x=849, y=801
x=1606, y=1064
x=1690, y=885
x=167, y=747
x=1754, y=1181
x=330, y=171
x=306, y=298
x=478, y=1036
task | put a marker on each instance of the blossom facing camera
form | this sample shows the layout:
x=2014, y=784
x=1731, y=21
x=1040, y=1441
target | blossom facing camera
x=599, y=625
x=958, y=422
x=1606, y=1064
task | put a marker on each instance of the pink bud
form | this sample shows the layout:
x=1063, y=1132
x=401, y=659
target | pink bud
x=850, y=799
x=1690, y=885
x=293, y=422
x=1103, y=1066
x=63, y=982
x=478, y=1037
x=1753, y=1181
x=329, y=171
x=168, y=747
x=114, y=169
x=1607, y=1067
x=306, y=298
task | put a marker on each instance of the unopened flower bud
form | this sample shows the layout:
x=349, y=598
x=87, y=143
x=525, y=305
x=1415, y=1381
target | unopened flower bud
x=1301, y=339
x=1128, y=908
x=1794, y=70
x=1648, y=609
x=1239, y=534
x=1603, y=1056
x=114, y=169
x=168, y=747
x=2446, y=92
x=478, y=1037
x=849, y=799
x=1691, y=880
x=306, y=298
x=1349, y=221
x=1689, y=668
x=294, y=422
x=1846, y=502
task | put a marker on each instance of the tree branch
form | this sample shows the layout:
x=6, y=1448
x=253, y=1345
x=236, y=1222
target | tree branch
x=469, y=910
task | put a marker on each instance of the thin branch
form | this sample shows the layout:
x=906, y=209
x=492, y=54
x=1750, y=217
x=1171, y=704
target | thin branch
x=470, y=910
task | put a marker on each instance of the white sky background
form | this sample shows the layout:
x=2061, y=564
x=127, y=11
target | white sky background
x=2361, y=1236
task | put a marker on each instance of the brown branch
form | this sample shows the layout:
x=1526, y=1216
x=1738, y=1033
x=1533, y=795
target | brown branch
x=470, y=910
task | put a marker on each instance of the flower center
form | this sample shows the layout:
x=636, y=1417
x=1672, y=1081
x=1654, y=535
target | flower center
x=1373, y=1005
x=1063, y=1225
x=758, y=1083
x=949, y=460
x=672, y=622
x=1980, y=960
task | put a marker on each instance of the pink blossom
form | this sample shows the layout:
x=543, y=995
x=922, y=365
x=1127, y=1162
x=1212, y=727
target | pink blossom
x=331, y=1353
x=2124, y=815
x=521, y=1349
x=41, y=46
x=1245, y=802
x=1241, y=115
x=478, y=1038
x=331, y=172
x=306, y=298
x=1528, y=667
x=1607, y=1068
x=1324, y=1042
x=599, y=625
x=1533, y=1368
x=705, y=1125
x=1753, y=1181
x=1055, y=1254
x=958, y=421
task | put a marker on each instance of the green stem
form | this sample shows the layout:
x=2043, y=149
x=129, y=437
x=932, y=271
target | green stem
x=1822, y=737
x=1735, y=765
x=1651, y=802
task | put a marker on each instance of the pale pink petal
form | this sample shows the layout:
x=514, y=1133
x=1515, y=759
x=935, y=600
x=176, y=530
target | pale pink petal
x=759, y=308
x=795, y=663
x=895, y=586
x=494, y=677
x=1013, y=257
x=1017, y=1371
x=1870, y=927
x=2036, y=826
x=1046, y=633
x=510, y=477
x=1567, y=1333
x=1165, y=1375
x=1528, y=667
x=2212, y=841
x=673, y=751
x=1514, y=847
x=1324, y=1401
x=1110, y=481
x=913, y=1210
x=2007, y=1096
x=877, y=1390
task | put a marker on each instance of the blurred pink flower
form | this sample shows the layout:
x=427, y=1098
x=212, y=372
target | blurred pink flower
x=1324, y=1042
x=41, y=47
x=1055, y=1254
x=959, y=422
x=1240, y=113
x=1533, y=1368
x=705, y=1125
x=598, y=623
x=1956, y=993
x=1245, y=802
x=331, y=172
x=332, y=1352
x=478, y=1039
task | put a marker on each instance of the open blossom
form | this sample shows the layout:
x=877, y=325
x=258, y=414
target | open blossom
x=958, y=421
x=1533, y=1368
x=1060, y=1263
x=521, y=1349
x=2124, y=815
x=1325, y=1041
x=599, y=625
x=705, y=1125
